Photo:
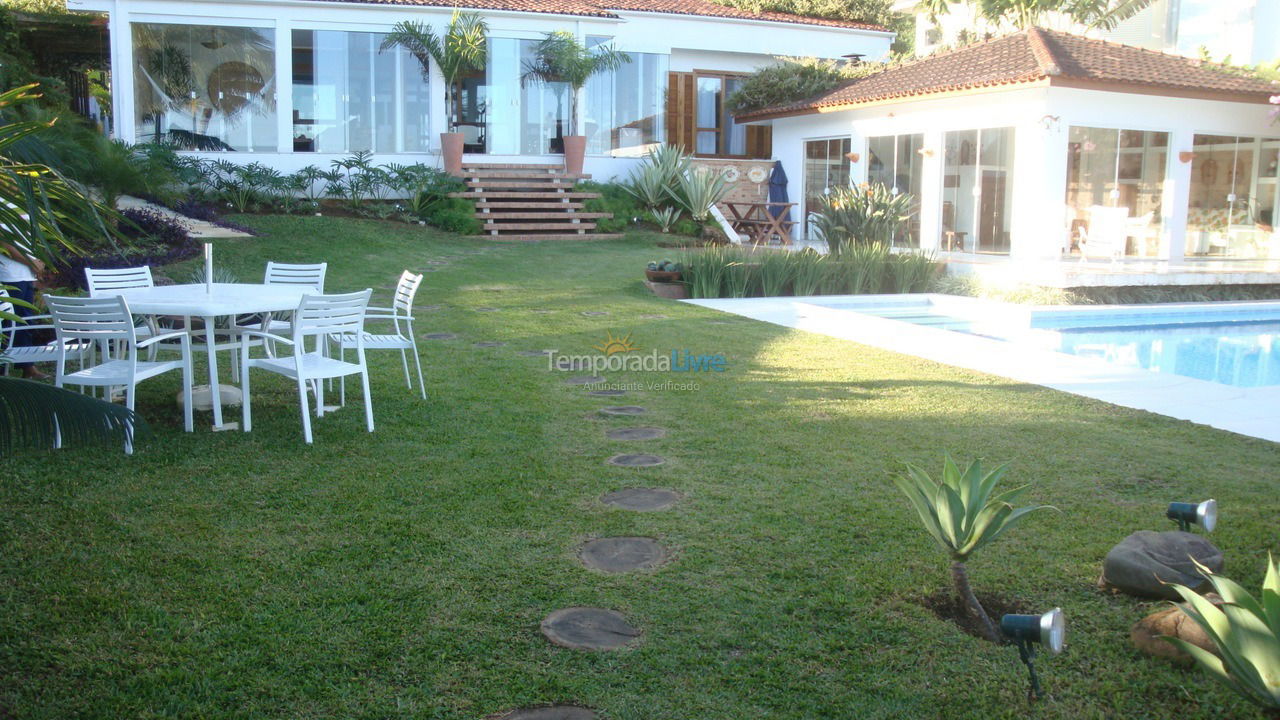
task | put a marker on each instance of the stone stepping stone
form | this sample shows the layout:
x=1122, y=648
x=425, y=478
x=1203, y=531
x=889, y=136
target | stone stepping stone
x=487, y=309
x=542, y=312
x=550, y=712
x=641, y=499
x=533, y=353
x=622, y=554
x=623, y=410
x=722, y=322
x=490, y=344
x=436, y=262
x=635, y=433
x=429, y=308
x=584, y=380
x=439, y=336
x=595, y=313
x=607, y=393
x=586, y=628
x=637, y=460
x=653, y=317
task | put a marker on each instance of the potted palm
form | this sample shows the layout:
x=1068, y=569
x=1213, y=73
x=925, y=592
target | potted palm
x=562, y=62
x=462, y=49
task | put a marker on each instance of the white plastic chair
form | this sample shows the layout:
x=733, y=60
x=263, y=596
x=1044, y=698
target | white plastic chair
x=21, y=355
x=308, y=275
x=317, y=316
x=106, y=280
x=107, y=321
x=1108, y=233
x=400, y=314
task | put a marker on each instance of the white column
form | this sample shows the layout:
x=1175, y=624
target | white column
x=1039, y=187
x=1175, y=198
x=122, y=100
x=284, y=85
x=931, y=191
x=438, y=108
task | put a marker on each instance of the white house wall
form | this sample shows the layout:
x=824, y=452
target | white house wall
x=1041, y=118
x=691, y=42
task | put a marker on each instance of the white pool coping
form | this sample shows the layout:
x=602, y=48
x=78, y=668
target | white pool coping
x=1254, y=412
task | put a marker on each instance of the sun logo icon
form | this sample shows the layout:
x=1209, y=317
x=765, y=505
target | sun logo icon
x=614, y=345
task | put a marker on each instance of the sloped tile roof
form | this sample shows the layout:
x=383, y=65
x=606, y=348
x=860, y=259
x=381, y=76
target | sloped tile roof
x=605, y=8
x=1035, y=55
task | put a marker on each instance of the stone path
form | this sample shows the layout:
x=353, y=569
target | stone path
x=588, y=628
x=551, y=712
x=607, y=393
x=583, y=380
x=439, y=336
x=622, y=554
x=533, y=353
x=197, y=229
x=636, y=460
x=639, y=499
x=622, y=410
x=595, y=313
x=490, y=344
x=635, y=433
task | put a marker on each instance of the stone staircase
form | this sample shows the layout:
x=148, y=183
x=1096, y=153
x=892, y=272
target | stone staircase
x=530, y=202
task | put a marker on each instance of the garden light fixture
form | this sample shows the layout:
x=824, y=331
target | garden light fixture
x=1027, y=631
x=1204, y=514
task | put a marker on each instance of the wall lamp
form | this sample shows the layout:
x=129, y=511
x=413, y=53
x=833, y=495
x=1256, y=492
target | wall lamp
x=853, y=157
x=1204, y=514
x=1026, y=631
x=1186, y=156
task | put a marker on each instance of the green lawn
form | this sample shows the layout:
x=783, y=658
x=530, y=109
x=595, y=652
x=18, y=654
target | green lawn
x=404, y=573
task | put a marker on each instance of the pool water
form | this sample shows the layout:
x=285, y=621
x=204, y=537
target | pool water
x=1237, y=345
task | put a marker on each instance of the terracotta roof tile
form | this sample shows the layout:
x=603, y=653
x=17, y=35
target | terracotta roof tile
x=1030, y=56
x=603, y=8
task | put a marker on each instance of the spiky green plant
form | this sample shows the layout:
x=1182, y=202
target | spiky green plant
x=666, y=217
x=35, y=415
x=962, y=513
x=698, y=191
x=859, y=215
x=1246, y=631
x=561, y=62
x=461, y=50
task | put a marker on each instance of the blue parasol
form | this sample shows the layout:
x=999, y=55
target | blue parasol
x=778, y=191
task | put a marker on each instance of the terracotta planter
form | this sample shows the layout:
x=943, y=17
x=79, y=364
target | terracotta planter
x=575, y=151
x=671, y=291
x=451, y=150
x=662, y=276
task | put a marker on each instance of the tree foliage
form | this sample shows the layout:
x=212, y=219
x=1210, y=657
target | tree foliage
x=868, y=11
x=1022, y=14
x=560, y=58
x=460, y=50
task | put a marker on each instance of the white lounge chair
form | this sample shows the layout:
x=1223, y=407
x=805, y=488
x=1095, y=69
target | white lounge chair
x=1107, y=235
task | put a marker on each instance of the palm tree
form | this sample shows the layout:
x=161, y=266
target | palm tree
x=1023, y=14
x=560, y=61
x=461, y=50
x=43, y=212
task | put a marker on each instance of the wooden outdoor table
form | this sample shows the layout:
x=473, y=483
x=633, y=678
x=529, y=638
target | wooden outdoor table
x=761, y=221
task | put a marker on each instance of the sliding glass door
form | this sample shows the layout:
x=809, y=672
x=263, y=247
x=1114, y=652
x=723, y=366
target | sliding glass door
x=826, y=167
x=1235, y=190
x=1112, y=168
x=895, y=162
x=977, y=190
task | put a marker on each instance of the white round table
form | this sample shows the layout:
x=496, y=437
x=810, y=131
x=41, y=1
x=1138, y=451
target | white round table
x=226, y=299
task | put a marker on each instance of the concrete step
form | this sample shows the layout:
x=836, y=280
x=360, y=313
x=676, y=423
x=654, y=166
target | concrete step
x=544, y=205
x=515, y=195
x=538, y=176
x=530, y=237
x=565, y=216
x=557, y=227
x=510, y=166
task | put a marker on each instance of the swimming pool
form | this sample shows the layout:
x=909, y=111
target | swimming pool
x=1212, y=363
x=1234, y=344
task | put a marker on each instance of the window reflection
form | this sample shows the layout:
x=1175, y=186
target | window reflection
x=1234, y=192
x=1119, y=169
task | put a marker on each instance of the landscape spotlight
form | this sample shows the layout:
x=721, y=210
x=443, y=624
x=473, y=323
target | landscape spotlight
x=1027, y=631
x=1204, y=514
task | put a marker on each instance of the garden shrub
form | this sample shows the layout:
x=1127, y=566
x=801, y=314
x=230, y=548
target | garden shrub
x=793, y=79
x=614, y=199
x=149, y=238
x=731, y=271
x=455, y=215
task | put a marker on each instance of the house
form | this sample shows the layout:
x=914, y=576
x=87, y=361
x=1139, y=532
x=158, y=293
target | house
x=291, y=83
x=1244, y=30
x=1044, y=145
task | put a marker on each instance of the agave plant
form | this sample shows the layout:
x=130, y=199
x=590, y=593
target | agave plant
x=863, y=214
x=698, y=191
x=666, y=217
x=963, y=513
x=1245, y=630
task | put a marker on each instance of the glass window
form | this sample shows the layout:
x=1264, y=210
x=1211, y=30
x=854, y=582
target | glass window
x=1118, y=169
x=204, y=87
x=1234, y=195
x=521, y=116
x=826, y=166
x=625, y=111
x=977, y=191
x=348, y=96
x=895, y=162
x=707, y=115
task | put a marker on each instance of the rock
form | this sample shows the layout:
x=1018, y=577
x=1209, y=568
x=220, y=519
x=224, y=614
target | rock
x=637, y=460
x=587, y=628
x=1142, y=563
x=641, y=499
x=1148, y=633
x=622, y=554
